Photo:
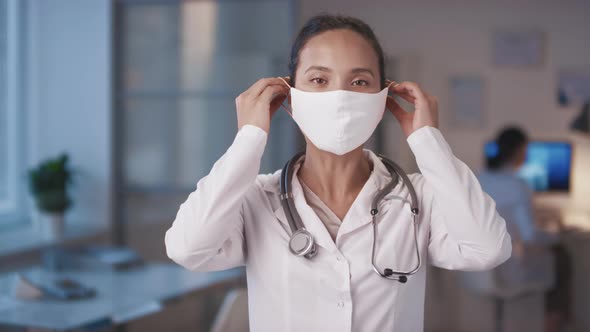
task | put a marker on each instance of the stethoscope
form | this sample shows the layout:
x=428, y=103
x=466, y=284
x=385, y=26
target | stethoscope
x=302, y=242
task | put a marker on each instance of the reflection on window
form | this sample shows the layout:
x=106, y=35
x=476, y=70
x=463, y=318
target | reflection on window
x=12, y=182
x=183, y=65
x=3, y=104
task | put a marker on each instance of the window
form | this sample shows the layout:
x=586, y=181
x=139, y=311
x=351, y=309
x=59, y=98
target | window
x=182, y=64
x=12, y=181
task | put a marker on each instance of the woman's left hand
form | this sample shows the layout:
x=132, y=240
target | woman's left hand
x=425, y=107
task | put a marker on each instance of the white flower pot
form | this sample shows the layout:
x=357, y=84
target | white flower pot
x=52, y=225
x=35, y=215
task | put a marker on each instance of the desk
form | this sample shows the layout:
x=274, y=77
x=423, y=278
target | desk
x=121, y=296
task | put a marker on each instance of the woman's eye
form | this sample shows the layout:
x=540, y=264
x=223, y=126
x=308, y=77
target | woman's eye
x=318, y=80
x=360, y=83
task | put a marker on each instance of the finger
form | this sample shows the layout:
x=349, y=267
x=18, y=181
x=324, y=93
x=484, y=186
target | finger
x=276, y=103
x=257, y=88
x=406, y=96
x=432, y=99
x=390, y=83
x=395, y=108
x=409, y=88
x=271, y=92
x=398, y=88
x=395, y=88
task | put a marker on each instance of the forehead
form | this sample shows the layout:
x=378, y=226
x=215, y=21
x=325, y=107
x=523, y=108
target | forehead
x=339, y=50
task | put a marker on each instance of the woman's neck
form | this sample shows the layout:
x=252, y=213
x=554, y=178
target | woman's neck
x=335, y=178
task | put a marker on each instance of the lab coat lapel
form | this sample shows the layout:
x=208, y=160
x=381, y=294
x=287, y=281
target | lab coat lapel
x=280, y=215
x=359, y=214
x=310, y=219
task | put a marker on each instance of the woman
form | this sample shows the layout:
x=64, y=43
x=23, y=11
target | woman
x=236, y=217
x=537, y=255
x=512, y=194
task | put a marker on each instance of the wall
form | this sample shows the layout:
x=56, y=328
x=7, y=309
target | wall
x=69, y=96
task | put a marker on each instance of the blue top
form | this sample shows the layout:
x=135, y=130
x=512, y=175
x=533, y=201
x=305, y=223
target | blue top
x=513, y=198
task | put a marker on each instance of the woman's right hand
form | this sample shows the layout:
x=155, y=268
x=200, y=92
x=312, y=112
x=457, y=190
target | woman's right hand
x=257, y=105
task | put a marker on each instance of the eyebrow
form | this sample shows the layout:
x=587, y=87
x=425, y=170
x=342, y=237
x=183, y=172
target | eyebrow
x=363, y=70
x=354, y=71
x=320, y=68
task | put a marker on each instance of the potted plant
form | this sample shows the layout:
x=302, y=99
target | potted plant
x=49, y=183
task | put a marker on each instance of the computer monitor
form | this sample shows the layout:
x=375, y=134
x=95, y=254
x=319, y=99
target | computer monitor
x=547, y=166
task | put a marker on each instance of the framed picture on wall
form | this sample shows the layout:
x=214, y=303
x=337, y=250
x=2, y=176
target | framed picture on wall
x=518, y=48
x=467, y=102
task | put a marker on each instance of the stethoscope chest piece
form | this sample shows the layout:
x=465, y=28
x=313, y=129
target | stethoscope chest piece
x=302, y=244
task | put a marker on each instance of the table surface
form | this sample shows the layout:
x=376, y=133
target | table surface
x=118, y=294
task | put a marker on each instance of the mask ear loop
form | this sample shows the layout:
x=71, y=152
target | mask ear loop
x=282, y=104
x=394, y=83
x=388, y=87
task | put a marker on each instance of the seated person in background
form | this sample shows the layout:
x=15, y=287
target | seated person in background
x=532, y=248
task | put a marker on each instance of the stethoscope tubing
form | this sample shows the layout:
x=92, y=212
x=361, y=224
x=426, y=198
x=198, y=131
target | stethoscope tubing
x=308, y=250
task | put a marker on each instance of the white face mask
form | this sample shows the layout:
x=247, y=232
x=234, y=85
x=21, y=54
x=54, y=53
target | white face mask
x=337, y=121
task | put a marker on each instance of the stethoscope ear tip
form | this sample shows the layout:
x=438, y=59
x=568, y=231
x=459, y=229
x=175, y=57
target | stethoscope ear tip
x=389, y=272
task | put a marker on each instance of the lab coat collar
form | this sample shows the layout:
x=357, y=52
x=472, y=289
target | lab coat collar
x=359, y=213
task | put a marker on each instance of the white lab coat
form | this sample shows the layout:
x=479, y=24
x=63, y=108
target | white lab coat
x=235, y=218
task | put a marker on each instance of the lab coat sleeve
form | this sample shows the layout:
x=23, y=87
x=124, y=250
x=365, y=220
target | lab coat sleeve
x=208, y=232
x=466, y=231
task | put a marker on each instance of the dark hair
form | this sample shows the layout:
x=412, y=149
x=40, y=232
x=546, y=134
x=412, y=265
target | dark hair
x=323, y=23
x=508, y=142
